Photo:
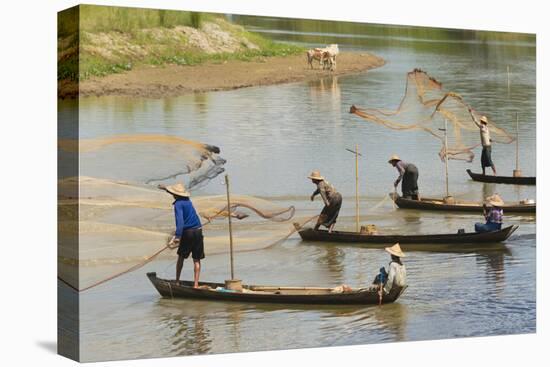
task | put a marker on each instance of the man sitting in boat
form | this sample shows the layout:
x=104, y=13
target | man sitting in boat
x=493, y=213
x=188, y=231
x=397, y=275
x=331, y=198
x=409, y=174
x=486, y=160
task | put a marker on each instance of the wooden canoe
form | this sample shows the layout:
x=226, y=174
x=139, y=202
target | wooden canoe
x=439, y=204
x=310, y=234
x=502, y=179
x=271, y=294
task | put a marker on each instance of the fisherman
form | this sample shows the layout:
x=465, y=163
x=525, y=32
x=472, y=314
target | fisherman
x=397, y=275
x=188, y=231
x=409, y=174
x=493, y=213
x=331, y=198
x=486, y=160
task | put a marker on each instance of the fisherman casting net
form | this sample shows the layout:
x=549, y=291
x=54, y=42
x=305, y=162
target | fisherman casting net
x=121, y=224
x=425, y=106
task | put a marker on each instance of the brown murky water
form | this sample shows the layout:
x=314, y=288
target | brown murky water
x=272, y=137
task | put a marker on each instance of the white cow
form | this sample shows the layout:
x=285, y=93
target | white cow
x=326, y=56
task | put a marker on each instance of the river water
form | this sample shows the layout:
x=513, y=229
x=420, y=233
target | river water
x=272, y=137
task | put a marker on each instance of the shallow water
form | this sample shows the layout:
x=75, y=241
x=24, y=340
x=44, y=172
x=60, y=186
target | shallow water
x=272, y=137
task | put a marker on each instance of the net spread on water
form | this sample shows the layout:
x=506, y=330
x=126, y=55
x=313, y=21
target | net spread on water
x=425, y=106
x=122, y=223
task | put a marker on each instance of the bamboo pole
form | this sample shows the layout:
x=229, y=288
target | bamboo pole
x=446, y=163
x=508, y=78
x=517, y=141
x=517, y=171
x=230, y=227
x=356, y=188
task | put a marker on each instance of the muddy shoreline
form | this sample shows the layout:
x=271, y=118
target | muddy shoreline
x=175, y=80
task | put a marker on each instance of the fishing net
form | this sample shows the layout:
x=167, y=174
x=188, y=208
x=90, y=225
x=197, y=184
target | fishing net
x=173, y=158
x=123, y=224
x=425, y=106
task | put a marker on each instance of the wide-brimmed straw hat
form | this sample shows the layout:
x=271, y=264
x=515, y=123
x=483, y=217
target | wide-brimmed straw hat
x=316, y=175
x=395, y=250
x=178, y=189
x=494, y=200
x=484, y=120
x=394, y=157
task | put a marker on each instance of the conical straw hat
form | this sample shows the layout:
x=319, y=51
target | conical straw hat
x=494, y=200
x=395, y=250
x=178, y=189
x=484, y=119
x=394, y=157
x=316, y=175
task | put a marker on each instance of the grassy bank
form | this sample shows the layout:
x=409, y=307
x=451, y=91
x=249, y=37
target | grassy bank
x=113, y=39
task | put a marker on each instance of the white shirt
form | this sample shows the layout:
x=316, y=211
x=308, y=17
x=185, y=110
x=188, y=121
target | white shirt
x=396, y=276
x=485, y=137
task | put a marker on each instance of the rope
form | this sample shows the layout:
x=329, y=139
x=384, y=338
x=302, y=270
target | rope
x=379, y=204
x=135, y=267
x=171, y=247
x=296, y=228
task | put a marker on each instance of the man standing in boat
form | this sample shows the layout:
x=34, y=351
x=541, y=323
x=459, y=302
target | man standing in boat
x=486, y=160
x=188, y=231
x=409, y=174
x=331, y=198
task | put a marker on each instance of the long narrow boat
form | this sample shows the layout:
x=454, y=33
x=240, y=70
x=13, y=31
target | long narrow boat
x=439, y=204
x=310, y=234
x=272, y=294
x=502, y=179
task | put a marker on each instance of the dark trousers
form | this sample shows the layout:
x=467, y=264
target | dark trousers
x=409, y=187
x=487, y=227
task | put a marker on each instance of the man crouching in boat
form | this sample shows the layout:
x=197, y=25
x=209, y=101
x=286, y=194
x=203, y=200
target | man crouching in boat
x=493, y=215
x=409, y=174
x=331, y=198
x=397, y=275
x=188, y=231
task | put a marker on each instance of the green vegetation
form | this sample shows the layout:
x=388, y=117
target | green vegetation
x=94, y=19
x=115, y=39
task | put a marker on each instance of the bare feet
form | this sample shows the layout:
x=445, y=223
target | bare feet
x=196, y=285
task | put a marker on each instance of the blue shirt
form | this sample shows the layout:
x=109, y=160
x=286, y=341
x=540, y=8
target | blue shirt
x=186, y=216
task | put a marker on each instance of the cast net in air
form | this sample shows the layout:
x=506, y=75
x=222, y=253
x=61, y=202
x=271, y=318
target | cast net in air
x=425, y=106
x=147, y=158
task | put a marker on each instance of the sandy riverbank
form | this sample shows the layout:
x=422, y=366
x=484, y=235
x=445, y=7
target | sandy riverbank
x=174, y=80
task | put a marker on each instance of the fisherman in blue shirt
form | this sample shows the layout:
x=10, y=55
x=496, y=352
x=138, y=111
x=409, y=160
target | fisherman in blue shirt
x=188, y=231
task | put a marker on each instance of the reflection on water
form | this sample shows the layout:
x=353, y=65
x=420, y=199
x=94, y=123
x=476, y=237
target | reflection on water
x=494, y=273
x=190, y=333
x=333, y=259
x=272, y=137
